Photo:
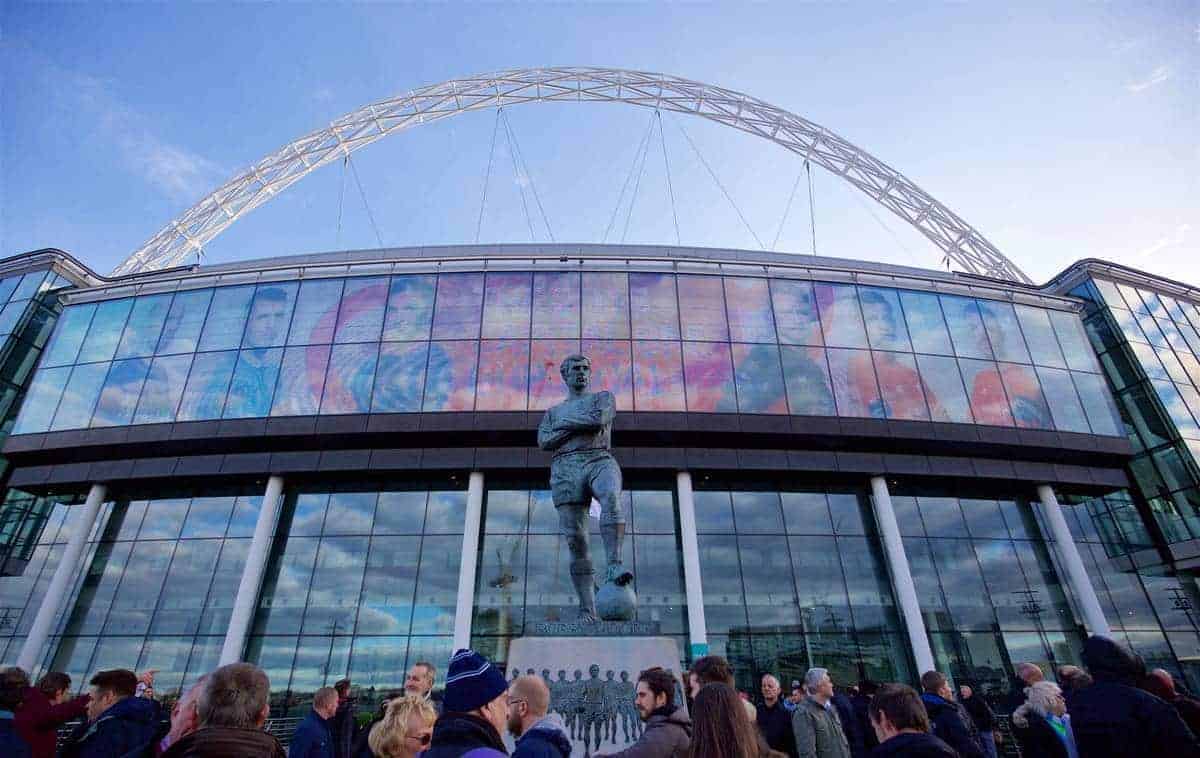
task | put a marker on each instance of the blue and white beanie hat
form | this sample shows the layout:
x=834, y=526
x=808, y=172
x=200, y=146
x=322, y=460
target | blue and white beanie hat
x=471, y=682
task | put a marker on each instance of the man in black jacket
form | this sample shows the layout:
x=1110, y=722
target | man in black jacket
x=774, y=720
x=1113, y=718
x=344, y=724
x=985, y=721
x=949, y=721
x=901, y=724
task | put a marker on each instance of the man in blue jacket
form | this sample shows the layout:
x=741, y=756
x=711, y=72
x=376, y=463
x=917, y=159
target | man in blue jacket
x=538, y=734
x=119, y=722
x=950, y=722
x=313, y=738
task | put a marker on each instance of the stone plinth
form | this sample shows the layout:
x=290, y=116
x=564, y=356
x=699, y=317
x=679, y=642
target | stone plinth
x=593, y=679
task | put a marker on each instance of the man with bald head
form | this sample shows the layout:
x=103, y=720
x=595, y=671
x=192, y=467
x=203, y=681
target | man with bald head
x=539, y=734
x=774, y=719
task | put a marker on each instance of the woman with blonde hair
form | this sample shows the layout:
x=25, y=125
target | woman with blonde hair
x=405, y=729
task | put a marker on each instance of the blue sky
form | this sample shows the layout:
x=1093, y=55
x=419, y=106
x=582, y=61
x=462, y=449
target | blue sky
x=1059, y=132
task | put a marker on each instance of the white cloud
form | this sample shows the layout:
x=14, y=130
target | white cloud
x=1157, y=77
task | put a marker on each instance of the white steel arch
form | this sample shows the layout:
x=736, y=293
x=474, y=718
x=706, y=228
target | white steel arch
x=274, y=173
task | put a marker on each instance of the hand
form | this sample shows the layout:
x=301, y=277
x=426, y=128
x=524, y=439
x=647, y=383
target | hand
x=147, y=677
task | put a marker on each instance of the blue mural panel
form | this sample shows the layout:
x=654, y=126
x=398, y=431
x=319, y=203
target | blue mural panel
x=966, y=327
x=181, y=328
x=68, y=336
x=400, y=378
x=901, y=386
x=144, y=326
x=854, y=386
x=702, y=308
x=1003, y=331
x=841, y=319
x=450, y=377
x=253, y=383
x=806, y=374
x=708, y=374
x=796, y=315
x=226, y=318
x=105, y=331
x=507, y=301
x=350, y=378
x=301, y=381
x=653, y=306
x=1029, y=409
x=119, y=396
x=410, y=307
x=459, y=306
x=316, y=312
x=79, y=396
x=556, y=306
x=884, y=319
x=657, y=376
x=759, y=379
x=360, y=317
x=926, y=324
x=748, y=302
x=985, y=390
x=503, y=375
x=605, y=306
x=204, y=396
x=944, y=389
x=162, y=389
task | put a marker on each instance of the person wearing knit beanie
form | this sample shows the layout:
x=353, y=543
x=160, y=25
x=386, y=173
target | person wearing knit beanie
x=476, y=710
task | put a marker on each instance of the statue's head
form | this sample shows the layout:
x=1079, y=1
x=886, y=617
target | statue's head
x=576, y=372
x=578, y=673
x=608, y=675
x=594, y=670
x=546, y=674
x=562, y=673
x=624, y=676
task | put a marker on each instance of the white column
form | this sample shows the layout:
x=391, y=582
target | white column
x=1068, y=554
x=470, y=557
x=697, y=629
x=902, y=581
x=252, y=575
x=64, y=577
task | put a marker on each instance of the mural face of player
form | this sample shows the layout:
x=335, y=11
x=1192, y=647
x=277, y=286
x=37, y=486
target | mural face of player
x=268, y=317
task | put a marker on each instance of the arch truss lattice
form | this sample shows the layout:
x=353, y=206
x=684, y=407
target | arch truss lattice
x=268, y=177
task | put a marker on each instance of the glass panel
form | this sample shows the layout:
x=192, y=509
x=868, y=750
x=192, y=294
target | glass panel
x=400, y=378
x=181, y=328
x=29, y=285
x=42, y=400
x=105, y=331
x=612, y=369
x=208, y=517
x=437, y=592
x=605, y=306
x=807, y=377
x=191, y=572
x=1149, y=361
x=770, y=598
x=806, y=513
x=1071, y=336
x=903, y=392
x=556, y=304
x=450, y=378
x=11, y=314
x=68, y=335
x=79, y=397
x=926, y=324
x=145, y=323
x=1004, y=331
x=1040, y=336
x=7, y=286
x=388, y=586
x=867, y=584
x=841, y=319
x=713, y=511
x=985, y=388
x=653, y=306
x=1029, y=408
x=759, y=379
x=748, y=302
x=944, y=389
x=301, y=376
x=226, y=318
x=459, y=306
x=350, y=377
x=410, y=307
x=1097, y=403
x=360, y=317
x=854, y=384
x=757, y=512
x=796, y=312
x=709, y=374
x=253, y=383
x=884, y=318
x=204, y=396
x=503, y=373
x=335, y=585
x=120, y=393
x=721, y=577
x=546, y=386
x=703, y=308
x=657, y=376
x=966, y=327
x=506, y=305
x=1064, y=403
x=316, y=312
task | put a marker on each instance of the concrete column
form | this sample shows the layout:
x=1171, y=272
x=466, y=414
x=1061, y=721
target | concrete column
x=470, y=558
x=1068, y=554
x=60, y=584
x=252, y=575
x=902, y=581
x=697, y=629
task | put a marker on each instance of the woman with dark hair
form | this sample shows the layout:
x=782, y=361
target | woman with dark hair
x=720, y=728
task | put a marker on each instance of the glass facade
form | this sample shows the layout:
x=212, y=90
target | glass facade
x=796, y=578
x=362, y=581
x=1149, y=346
x=492, y=342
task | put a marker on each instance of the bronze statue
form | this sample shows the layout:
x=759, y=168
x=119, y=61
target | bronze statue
x=579, y=432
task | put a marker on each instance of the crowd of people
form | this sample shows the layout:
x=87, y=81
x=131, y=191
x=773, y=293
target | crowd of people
x=1110, y=708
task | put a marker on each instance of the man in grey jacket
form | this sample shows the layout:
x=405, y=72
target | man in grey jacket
x=815, y=721
x=668, y=731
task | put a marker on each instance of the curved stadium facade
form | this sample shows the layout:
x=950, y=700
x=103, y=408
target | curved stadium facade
x=327, y=464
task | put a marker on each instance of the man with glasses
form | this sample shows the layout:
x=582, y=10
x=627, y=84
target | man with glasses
x=539, y=734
